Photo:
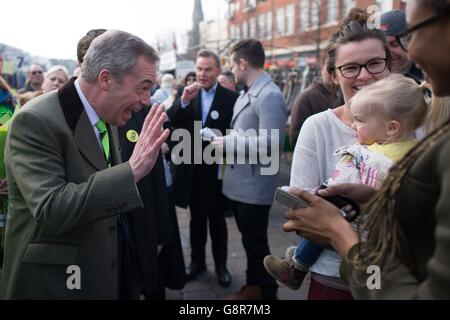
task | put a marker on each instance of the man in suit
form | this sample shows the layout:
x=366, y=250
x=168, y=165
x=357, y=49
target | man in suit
x=69, y=191
x=154, y=226
x=197, y=185
x=251, y=186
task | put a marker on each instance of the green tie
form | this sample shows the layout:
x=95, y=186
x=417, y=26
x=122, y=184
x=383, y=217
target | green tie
x=101, y=126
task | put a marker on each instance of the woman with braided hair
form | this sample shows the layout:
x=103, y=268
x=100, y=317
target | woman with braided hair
x=408, y=219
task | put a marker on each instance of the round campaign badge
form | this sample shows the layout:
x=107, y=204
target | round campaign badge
x=132, y=136
x=215, y=115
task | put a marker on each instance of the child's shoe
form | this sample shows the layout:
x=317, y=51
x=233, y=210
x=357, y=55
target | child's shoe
x=285, y=270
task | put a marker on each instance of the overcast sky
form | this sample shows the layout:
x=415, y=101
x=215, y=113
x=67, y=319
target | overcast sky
x=52, y=28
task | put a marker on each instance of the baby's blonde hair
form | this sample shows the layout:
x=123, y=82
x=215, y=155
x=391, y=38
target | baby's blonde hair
x=395, y=97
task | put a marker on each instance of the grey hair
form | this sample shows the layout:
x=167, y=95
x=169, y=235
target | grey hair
x=117, y=51
x=207, y=53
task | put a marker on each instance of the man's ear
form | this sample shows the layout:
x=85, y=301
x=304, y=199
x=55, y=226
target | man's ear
x=242, y=64
x=105, y=79
x=393, y=129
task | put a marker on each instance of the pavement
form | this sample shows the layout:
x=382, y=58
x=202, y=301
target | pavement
x=205, y=286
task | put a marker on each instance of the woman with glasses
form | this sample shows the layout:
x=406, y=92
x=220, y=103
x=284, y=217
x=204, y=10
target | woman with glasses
x=406, y=253
x=356, y=57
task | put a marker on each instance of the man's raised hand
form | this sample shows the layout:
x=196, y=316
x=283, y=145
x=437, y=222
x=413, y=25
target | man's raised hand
x=149, y=143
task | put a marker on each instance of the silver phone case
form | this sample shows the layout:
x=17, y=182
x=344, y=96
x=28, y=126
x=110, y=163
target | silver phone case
x=289, y=201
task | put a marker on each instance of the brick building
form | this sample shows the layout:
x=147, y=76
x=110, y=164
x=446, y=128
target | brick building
x=292, y=30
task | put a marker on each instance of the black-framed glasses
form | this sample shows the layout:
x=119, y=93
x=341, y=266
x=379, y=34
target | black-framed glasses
x=404, y=37
x=36, y=72
x=352, y=70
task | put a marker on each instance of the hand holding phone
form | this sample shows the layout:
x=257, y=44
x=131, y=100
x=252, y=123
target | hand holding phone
x=348, y=208
x=288, y=200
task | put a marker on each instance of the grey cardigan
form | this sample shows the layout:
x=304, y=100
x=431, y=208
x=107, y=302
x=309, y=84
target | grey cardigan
x=262, y=108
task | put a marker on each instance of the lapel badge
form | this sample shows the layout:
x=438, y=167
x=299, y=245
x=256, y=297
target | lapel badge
x=215, y=115
x=132, y=136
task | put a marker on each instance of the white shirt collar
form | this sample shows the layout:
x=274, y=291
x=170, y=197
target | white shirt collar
x=212, y=90
x=92, y=115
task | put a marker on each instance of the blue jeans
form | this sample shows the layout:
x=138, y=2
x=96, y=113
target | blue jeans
x=307, y=253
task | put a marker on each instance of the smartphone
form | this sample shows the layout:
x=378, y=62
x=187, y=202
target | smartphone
x=288, y=200
x=349, y=210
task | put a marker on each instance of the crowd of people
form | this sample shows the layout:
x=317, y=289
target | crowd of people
x=91, y=169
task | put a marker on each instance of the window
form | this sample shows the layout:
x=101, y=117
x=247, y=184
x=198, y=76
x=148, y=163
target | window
x=262, y=26
x=252, y=22
x=304, y=15
x=232, y=8
x=331, y=11
x=280, y=21
x=385, y=5
x=231, y=32
x=290, y=19
x=245, y=30
x=347, y=5
x=250, y=4
x=315, y=12
x=269, y=25
x=403, y=5
x=237, y=29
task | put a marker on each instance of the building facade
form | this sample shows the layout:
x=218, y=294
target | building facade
x=293, y=31
x=214, y=34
